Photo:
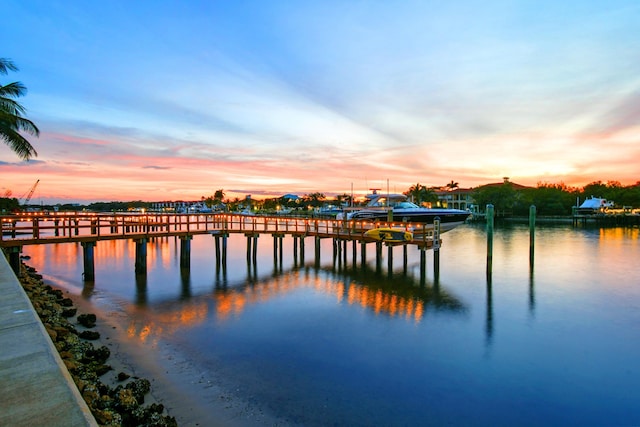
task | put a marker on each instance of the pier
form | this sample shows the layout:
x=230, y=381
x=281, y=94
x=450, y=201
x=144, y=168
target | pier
x=90, y=228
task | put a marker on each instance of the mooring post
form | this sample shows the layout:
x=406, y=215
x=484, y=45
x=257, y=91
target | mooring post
x=490, y=212
x=532, y=232
x=141, y=256
x=436, y=248
x=185, y=251
x=89, y=274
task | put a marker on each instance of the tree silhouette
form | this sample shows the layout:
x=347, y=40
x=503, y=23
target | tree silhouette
x=12, y=120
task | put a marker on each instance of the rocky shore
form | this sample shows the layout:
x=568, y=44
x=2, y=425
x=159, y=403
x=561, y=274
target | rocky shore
x=72, y=335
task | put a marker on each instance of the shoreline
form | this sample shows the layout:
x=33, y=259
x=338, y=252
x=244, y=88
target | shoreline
x=188, y=396
x=113, y=393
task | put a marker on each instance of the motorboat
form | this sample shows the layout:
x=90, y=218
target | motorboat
x=594, y=205
x=379, y=205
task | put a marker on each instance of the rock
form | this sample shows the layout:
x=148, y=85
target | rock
x=53, y=334
x=100, y=354
x=89, y=335
x=102, y=369
x=126, y=399
x=121, y=406
x=123, y=376
x=69, y=312
x=139, y=387
x=107, y=417
x=87, y=320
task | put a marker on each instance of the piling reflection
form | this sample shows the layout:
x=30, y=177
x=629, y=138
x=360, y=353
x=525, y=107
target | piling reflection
x=395, y=297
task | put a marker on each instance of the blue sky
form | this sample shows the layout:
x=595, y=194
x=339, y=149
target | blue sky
x=172, y=100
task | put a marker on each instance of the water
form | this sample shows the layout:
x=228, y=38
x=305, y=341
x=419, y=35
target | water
x=341, y=344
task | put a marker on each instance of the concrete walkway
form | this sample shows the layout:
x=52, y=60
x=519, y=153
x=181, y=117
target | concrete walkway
x=35, y=386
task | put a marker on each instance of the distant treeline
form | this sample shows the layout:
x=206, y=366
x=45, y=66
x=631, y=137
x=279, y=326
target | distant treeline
x=549, y=199
x=554, y=199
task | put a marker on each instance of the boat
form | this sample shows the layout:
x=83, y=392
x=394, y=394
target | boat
x=391, y=235
x=377, y=209
x=594, y=205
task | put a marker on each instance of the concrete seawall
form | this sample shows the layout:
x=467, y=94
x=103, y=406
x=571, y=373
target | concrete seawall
x=35, y=387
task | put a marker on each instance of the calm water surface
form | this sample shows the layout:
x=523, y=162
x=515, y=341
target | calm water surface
x=339, y=343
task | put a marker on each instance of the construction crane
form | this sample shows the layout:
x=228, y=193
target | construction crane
x=33, y=189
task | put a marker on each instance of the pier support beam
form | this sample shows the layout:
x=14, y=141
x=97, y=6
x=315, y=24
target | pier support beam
x=89, y=274
x=423, y=265
x=14, y=259
x=405, y=258
x=363, y=254
x=141, y=256
x=378, y=257
x=185, y=251
x=220, y=239
x=317, y=251
x=252, y=246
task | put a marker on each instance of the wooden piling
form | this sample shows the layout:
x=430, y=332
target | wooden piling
x=89, y=274
x=490, y=213
x=141, y=256
x=532, y=233
x=14, y=259
x=185, y=251
x=436, y=248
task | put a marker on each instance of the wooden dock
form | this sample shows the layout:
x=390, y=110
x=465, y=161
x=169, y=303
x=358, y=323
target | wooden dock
x=89, y=228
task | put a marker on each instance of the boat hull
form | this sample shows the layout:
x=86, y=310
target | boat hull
x=449, y=218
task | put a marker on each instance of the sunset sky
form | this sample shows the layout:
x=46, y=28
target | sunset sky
x=172, y=100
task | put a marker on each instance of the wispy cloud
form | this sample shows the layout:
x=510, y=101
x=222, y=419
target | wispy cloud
x=279, y=97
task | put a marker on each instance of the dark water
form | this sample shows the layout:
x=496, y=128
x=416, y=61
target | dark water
x=338, y=344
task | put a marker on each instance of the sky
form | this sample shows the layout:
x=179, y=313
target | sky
x=173, y=100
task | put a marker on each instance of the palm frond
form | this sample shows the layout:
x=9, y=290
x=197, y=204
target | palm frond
x=17, y=143
x=10, y=106
x=13, y=90
x=7, y=65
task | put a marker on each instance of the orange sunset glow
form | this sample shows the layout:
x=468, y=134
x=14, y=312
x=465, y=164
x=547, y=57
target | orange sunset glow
x=319, y=97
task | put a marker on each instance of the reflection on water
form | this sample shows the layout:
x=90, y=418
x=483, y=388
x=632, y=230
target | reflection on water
x=320, y=340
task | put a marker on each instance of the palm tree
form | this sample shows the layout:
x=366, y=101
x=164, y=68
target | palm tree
x=12, y=120
x=218, y=195
x=452, y=185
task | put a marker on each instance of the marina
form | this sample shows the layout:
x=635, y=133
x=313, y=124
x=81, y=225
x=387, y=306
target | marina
x=88, y=229
x=342, y=343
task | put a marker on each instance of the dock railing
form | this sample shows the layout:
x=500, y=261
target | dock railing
x=39, y=228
